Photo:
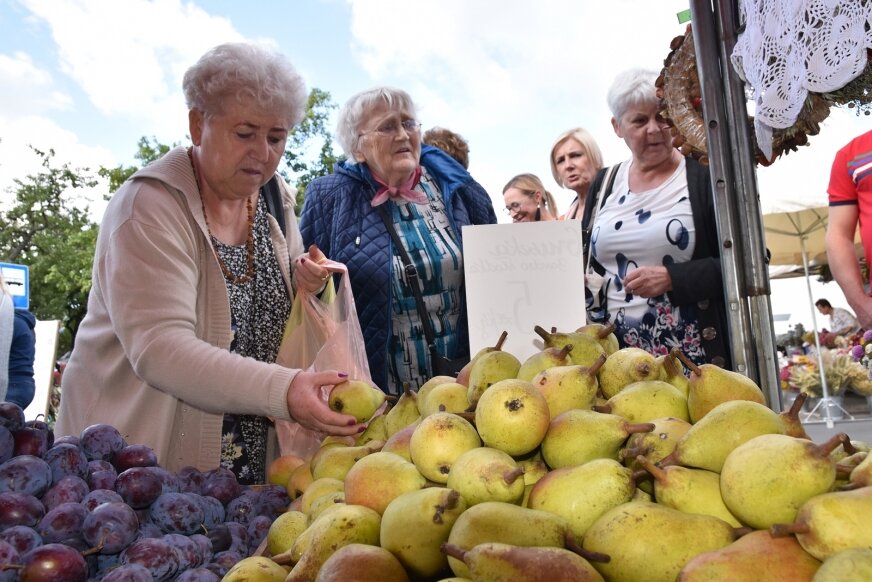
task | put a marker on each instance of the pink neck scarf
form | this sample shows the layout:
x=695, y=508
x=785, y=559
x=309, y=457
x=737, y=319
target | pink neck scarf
x=405, y=191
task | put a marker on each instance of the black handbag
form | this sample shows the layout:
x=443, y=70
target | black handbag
x=595, y=286
x=441, y=365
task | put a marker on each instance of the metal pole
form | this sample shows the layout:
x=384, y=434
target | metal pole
x=817, y=340
x=740, y=224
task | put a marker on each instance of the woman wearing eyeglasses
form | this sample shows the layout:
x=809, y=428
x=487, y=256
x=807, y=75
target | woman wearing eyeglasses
x=654, y=236
x=426, y=197
x=527, y=200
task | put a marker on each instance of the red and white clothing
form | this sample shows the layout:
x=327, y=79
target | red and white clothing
x=851, y=183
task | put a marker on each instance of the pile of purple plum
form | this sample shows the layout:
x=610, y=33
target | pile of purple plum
x=94, y=507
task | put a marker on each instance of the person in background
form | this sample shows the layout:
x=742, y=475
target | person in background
x=527, y=200
x=850, y=196
x=449, y=142
x=429, y=197
x=654, y=240
x=17, y=350
x=842, y=323
x=193, y=282
x=575, y=160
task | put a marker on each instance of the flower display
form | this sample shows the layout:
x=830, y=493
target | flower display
x=842, y=370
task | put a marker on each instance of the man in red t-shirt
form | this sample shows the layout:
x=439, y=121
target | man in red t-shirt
x=850, y=193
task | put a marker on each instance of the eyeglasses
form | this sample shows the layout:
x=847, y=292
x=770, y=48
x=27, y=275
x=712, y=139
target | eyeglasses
x=512, y=208
x=391, y=128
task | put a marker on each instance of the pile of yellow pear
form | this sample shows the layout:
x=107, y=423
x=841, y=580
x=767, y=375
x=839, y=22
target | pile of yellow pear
x=583, y=462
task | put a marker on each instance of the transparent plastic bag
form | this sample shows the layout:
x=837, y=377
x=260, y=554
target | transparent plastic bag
x=322, y=333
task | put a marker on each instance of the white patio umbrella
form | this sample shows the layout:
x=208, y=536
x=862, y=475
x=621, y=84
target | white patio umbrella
x=797, y=237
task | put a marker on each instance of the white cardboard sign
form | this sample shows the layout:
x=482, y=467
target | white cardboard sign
x=521, y=275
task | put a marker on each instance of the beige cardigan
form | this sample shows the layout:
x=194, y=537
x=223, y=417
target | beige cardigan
x=151, y=356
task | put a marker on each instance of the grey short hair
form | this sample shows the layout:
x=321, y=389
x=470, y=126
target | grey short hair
x=358, y=108
x=588, y=144
x=630, y=88
x=245, y=72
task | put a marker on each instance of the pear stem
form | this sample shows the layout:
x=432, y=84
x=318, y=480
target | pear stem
x=595, y=367
x=832, y=443
x=501, y=341
x=793, y=412
x=570, y=544
x=843, y=471
x=468, y=416
x=391, y=398
x=283, y=559
x=633, y=452
x=670, y=459
x=694, y=369
x=656, y=472
x=543, y=333
x=407, y=389
x=511, y=476
x=780, y=530
x=741, y=531
x=453, y=551
x=640, y=475
x=634, y=427
x=564, y=351
x=602, y=408
x=605, y=330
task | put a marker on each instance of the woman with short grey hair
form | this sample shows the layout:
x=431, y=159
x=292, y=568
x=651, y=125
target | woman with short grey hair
x=654, y=237
x=390, y=180
x=193, y=283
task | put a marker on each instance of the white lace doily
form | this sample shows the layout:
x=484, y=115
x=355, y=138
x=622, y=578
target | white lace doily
x=791, y=47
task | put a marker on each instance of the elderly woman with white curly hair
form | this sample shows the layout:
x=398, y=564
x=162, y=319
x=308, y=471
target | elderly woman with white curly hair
x=390, y=182
x=193, y=283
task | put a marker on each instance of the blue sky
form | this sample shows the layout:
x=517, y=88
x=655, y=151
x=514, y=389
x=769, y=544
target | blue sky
x=90, y=77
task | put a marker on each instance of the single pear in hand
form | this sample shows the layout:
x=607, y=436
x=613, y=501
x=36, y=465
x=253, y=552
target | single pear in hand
x=355, y=397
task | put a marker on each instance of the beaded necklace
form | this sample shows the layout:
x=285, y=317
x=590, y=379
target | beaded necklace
x=249, y=244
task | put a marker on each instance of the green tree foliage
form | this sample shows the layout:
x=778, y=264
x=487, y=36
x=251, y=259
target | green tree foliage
x=149, y=151
x=48, y=229
x=309, y=152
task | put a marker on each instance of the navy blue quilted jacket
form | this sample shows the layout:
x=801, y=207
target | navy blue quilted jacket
x=337, y=217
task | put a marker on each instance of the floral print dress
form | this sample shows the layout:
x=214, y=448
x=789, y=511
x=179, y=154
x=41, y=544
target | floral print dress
x=259, y=309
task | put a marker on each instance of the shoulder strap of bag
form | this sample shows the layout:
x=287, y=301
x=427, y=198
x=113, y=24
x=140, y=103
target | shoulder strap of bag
x=411, y=277
x=273, y=197
x=598, y=201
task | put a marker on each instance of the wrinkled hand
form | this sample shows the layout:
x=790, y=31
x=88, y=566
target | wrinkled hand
x=309, y=272
x=308, y=408
x=648, y=281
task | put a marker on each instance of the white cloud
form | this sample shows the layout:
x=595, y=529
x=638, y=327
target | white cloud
x=34, y=87
x=129, y=57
